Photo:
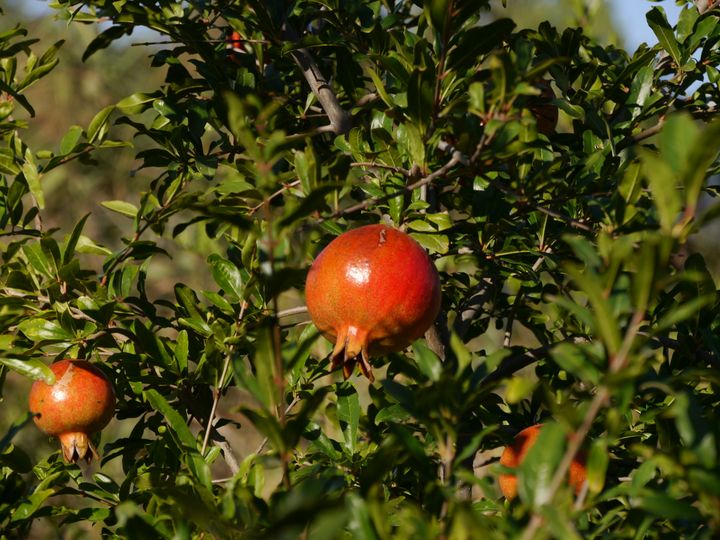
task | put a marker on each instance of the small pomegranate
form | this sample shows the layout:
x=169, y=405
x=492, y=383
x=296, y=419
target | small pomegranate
x=81, y=402
x=372, y=290
x=234, y=46
x=514, y=455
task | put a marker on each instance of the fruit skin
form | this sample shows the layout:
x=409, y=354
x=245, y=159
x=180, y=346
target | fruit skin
x=372, y=290
x=81, y=402
x=514, y=454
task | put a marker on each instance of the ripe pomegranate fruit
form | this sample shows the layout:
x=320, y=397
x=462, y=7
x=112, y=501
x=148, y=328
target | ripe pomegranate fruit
x=514, y=455
x=372, y=290
x=81, y=402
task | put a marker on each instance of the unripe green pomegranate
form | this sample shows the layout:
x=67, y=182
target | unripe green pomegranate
x=372, y=290
x=80, y=403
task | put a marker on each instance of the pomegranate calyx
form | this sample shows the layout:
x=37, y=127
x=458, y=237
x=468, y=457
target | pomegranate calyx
x=350, y=349
x=77, y=446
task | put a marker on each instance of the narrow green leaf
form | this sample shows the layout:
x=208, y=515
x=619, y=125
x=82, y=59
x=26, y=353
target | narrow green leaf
x=664, y=32
x=602, y=317
x=348, y=411
x=181, y=351
x=174, y=419
x=32, y=177
x=73, y=240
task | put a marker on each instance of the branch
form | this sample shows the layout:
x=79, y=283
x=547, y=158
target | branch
x=339, y=118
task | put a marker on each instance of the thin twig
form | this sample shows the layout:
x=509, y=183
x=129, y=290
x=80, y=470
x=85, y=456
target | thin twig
x=371, y=165
x=291, y=311
x=289, y=408
x=221, y=382
x=280, y=191
x=454, y=160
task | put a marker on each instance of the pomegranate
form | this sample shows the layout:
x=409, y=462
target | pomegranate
x=234, y=46
x=514, y=455
x=372, y=290
x=81, y=402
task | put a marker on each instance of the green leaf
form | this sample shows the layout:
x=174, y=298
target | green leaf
x=70, y=245
x=348, y=411
x=410, y=141
x=196, y=463
x=682, y=312
x=38, y=260
x=99, y=125
x=537, y=469
x=227, y=275
x=174, y=419
x=33, y=369
x=699, y=158
x=439, y=13
x=666, y=507
x=597, y=464
x=70, y=139
x=664, y=32
x=427, y=361
x=32, y=177
x=181, y=351
x=31, y=504
x=121, y=207
x=43, y=330
x=434, y=243
x=602, y=317
x=136, y=103
x=572, y=359
x=474, y=43
x=664, y=188
x=393, y=413
x=86, y=245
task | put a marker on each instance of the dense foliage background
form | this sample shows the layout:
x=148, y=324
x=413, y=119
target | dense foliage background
x=167, y=234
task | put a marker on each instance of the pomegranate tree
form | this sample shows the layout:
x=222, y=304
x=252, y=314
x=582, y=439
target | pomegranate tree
x=372, y=290
x=79, y=403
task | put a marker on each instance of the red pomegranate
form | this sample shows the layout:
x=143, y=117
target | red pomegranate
x=372, y=290
x=81, y=402
x=514, y=455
